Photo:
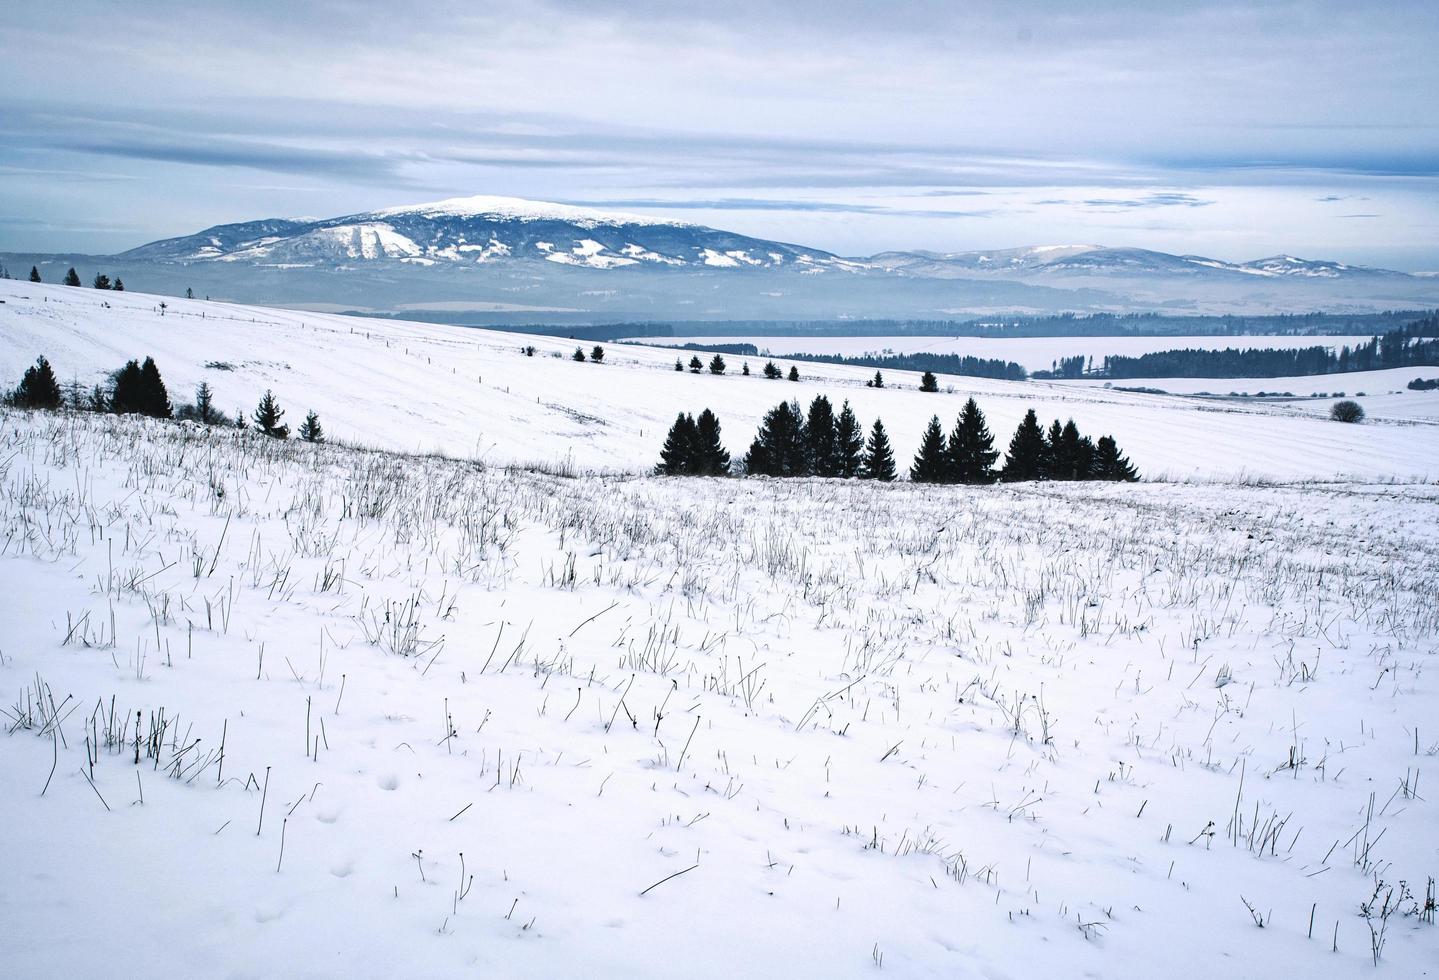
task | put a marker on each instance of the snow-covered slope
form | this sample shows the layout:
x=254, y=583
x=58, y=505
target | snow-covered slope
x=280, y=710
x=484, y=229
x=471, y=392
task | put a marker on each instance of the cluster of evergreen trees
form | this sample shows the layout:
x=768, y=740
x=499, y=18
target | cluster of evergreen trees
x=72, y=278
x=963, y=365
x=138, y=389
x=792, y=442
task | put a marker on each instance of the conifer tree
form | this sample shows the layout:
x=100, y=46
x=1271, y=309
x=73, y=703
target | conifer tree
x=38, y=388
x=770, y=371
x=72, y=278
x=154, y=399
x=1111, y=464
x=930, y=464
x=1054, y=462
x=205, y=404
x=102, y=281
x=820, y=437
x=1064, y=454
x=679, y=365
x=598, y=354
x=310, y=429
x=696, y=365
x=849, y=443
x=578, y=355
x=744, y=369
x=793, y=373
x=970, y=449
x=780, y=448
x=240, y=422
x=677, y=456
x=99, y=402
x=119, y=286
x=268, y=415
x=1025, y=460
x=878, y=381
x=711, y=459
x=878, y=457
x=35, y=274
x=717, y=365
x=928, y=382
x=1084, y=459
x=127, y=396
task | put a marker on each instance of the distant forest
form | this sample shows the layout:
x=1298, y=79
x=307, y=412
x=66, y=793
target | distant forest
x=1416, y=344
x=1062, y=325
x=962, y=365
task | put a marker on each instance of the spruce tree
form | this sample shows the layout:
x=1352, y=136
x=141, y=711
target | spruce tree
x=99, y=401
x=154, y=399
x=102, y=281
x=780, y=448
x=717, y=365
x=1025, y=460
x=38, y=388
x=578, y=355
x=268, y=415
x=793, y=373
x=35, y=274
x=970, y=449
x=679, y=365
x=849, y=443
x=1064, y=456
x=744, y=369
x=119, y=286
x=1111, y=464
x=72, y=278
x=878, y=381
x=205, y=404
x=1084, y=459
x=928, y=382
x=310, y=429
x=597, y=355
x=711, y=459
x=770, y=371
x=930, y=464
x=127, y=396
x=878, y=457
x=677, y=457
x=1052, y=467
x=696, y=365
x=820, y=434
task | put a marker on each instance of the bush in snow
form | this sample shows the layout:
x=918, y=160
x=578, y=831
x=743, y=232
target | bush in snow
x=1347, y=411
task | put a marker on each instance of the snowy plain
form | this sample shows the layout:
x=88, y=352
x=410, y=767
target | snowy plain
x=404, y=714
x=419, y=387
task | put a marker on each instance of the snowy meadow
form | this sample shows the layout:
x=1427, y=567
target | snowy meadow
x=276, y=708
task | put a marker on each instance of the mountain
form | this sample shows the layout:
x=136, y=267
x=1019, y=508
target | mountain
x=498, y=260
x=1055, y=261
x=481, y=230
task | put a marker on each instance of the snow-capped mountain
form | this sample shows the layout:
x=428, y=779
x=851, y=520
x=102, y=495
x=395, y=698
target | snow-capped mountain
x=1099, y=260
x=481, y=230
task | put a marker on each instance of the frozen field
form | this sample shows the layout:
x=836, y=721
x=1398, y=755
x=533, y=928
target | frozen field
x=276, y=709
x=1383, y=394
x=471, y=393
x=1032, y=353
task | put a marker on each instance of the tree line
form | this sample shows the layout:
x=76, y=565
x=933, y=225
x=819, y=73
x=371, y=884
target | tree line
x=962, y=365
x=820, y=442
x=1413, y=344
x=138, y=389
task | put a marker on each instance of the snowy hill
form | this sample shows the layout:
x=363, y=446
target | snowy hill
x=279, y=709
x=467, y=392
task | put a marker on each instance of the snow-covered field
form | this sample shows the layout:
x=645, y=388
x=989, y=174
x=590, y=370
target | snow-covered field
x=471, y=393
x=1031, y=353
x=273, y=709
x=1384, y=394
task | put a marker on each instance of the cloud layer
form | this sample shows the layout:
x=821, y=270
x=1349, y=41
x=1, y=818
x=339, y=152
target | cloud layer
x=1226, y=128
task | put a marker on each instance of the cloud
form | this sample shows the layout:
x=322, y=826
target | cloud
x=772, y=204
x=1118, y=205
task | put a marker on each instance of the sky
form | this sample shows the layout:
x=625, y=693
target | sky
x=1235, y=130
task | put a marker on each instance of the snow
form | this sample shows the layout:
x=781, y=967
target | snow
x=479, y=719
x=502, y=723
x=519, y=209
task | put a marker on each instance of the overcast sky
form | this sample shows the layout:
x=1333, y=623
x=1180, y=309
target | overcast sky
x=1227, y=129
